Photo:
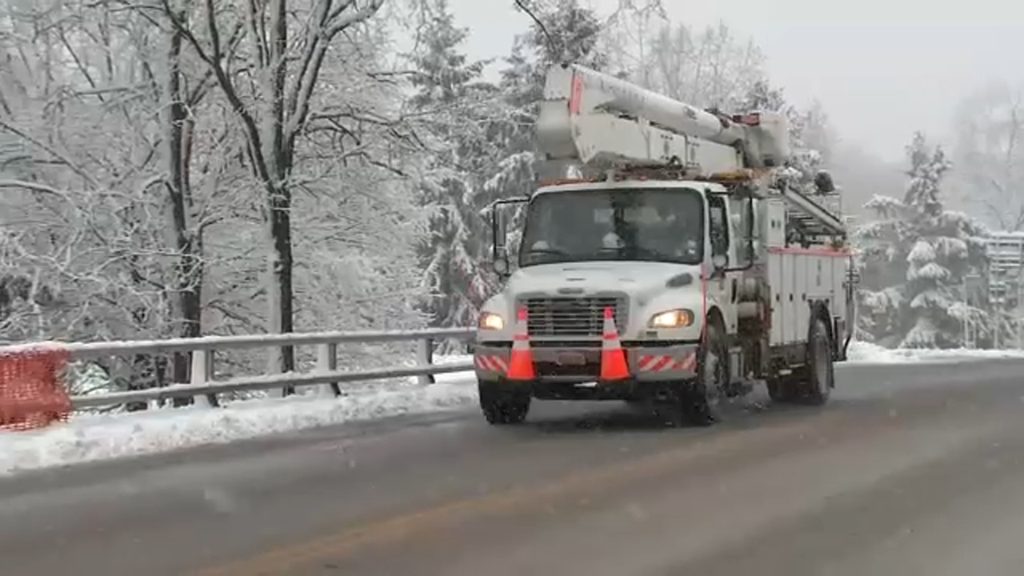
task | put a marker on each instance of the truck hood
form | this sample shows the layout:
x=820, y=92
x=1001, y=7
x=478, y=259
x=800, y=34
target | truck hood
x=641, y=280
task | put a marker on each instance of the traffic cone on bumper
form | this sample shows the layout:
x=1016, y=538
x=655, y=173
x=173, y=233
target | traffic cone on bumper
x=520, y=366
x=613, y=357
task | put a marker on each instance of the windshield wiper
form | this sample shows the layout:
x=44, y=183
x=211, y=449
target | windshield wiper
x=545, y=252
x=640, y=252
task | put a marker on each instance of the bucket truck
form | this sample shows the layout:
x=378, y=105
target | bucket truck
x=679, y=264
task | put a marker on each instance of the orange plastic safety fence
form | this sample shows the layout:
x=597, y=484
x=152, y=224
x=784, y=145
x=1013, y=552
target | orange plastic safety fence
x=32, y=393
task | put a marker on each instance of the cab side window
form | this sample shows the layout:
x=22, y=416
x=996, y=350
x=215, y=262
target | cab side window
x=719, y=226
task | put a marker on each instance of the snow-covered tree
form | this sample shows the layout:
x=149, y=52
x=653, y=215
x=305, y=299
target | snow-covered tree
x=569, y=33
x=990, y=153
x=130, y=205
x=914, y=259
x=709, y=68
x=457, y=109
x=275, y=107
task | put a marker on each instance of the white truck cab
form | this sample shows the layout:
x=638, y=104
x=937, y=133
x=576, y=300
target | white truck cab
x=705, y=290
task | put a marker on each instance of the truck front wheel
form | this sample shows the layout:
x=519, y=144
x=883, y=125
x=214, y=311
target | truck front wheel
x=701, y=401
x=502, y=406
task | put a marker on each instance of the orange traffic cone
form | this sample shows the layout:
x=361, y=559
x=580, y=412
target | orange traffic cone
x=520, y=366
x=613, y=357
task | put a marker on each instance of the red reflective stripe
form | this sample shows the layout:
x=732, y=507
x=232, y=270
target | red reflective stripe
x=521, y=337
x=664, y=363
x=703, y=303
x=576, y=95
x=610, y=336
x=500, y=363
x=832, y=253
x=489, y=360
x=491, y=364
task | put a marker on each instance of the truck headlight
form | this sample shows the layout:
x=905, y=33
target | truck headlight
x=490, y=321
x=679, y=318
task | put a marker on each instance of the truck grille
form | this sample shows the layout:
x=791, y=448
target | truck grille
x=563, y=316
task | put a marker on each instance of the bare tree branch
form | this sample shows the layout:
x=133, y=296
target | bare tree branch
x=338, y=20
x=48, y=149
x=35, y=187
x=213, y=60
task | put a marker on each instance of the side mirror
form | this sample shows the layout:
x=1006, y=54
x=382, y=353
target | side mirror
x=501, y=265
x=499, y=233
x=719, y=262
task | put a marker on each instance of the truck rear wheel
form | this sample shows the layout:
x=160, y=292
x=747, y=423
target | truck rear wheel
x=783, y=389
x=813, y=382
x=820, y=368
x=502, y=406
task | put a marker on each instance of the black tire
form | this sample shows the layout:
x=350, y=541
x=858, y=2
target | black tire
x=783, y=389
x=500, y=406
x=820, y=366
x=701, y=402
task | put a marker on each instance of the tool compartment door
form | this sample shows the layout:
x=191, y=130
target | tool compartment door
x=775, y=282
x=800, y=315
x=784, y=277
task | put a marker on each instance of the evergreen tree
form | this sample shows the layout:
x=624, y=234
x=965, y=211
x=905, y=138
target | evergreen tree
x=453, y=102
x=569, y=34
x=915, y=257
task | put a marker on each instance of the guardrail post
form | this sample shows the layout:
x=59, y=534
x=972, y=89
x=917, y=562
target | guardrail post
x=327, y=361
x=425, y=356
x=202, y=372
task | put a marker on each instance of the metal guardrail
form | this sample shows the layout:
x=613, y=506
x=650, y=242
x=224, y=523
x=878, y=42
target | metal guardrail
x=202, y=351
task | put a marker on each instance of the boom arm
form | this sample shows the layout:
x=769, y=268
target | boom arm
x=597, y=120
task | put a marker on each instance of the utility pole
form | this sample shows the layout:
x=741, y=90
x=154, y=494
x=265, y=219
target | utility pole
x=966, y=317
x=1020, y=291
x=1019, y=314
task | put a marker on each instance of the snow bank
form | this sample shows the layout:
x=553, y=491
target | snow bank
x=868, y=353
x=91, y=437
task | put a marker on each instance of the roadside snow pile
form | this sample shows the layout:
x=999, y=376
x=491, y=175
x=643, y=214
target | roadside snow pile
x=91, y=437
x=868, y=353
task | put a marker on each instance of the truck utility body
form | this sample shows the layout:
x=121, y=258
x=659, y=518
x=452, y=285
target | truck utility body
x=674, y=243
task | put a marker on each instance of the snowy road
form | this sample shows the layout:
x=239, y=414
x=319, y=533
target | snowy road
x=913, y=469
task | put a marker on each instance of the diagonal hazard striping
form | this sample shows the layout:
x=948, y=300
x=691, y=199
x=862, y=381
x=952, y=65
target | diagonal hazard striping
x=664, y=363
x=490, y=363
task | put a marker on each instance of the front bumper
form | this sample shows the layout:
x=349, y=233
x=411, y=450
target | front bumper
x=571, y=364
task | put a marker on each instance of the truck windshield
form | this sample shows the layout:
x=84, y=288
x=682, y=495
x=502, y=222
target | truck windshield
x=649, y=224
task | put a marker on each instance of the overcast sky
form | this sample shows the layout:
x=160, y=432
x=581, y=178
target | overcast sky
x=882, y=68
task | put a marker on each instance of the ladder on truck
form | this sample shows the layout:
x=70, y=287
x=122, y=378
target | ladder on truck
x=594, y=121
x=811, y=218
